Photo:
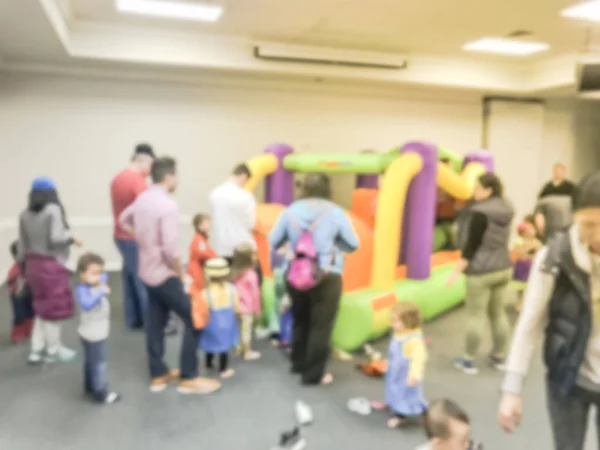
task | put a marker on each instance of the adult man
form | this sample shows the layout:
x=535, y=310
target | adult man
x=559, y=184
x=124, y=189
x=233, y=212
x=553, y=209
x=562, y=303
x=155, y=218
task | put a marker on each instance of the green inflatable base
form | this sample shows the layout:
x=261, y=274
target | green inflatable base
x=364, y=314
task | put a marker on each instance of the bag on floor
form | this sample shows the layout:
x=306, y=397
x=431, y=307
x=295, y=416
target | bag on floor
x=200, y=310
x=304, y=272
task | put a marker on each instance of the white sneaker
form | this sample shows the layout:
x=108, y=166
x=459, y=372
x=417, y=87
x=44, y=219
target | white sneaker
x=304, y=414
x=360, y=405
x=112, y=397
x=34, y=358
x=63, y=354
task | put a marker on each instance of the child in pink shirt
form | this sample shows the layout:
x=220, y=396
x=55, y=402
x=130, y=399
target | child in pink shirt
x=245, y=279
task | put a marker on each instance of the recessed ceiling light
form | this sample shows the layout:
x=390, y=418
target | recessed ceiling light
x=583, y=11
x=172, y=10
x=504, y=46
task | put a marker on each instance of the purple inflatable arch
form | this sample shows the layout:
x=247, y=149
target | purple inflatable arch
x=279, y=186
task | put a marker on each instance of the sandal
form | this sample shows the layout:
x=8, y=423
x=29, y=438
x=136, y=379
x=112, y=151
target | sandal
x=327, y=379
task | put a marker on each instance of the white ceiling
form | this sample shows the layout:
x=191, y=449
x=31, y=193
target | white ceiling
x=424, y=26
x=431, y=32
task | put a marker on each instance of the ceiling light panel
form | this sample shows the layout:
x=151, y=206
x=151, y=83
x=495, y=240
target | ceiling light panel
x=583, y=11
x=504, y=46
x=198, y=12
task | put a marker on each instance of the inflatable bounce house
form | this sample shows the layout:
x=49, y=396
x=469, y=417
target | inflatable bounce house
x=393, y=213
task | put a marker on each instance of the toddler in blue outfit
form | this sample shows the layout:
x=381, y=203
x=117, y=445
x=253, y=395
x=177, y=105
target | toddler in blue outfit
x=94, y=325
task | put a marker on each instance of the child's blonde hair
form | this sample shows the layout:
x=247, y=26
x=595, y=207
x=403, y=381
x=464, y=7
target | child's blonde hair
x=408, y=314
x=243, y=259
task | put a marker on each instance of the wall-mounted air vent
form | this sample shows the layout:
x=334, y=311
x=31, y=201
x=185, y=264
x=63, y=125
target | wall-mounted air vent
x=332, y=57
x=519, y=34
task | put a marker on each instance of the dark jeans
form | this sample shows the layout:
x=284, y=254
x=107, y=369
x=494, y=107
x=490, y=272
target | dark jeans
x=22, y=309
x=135, y=295
x=569, y=417
x=162, y=299
x=223, y=361
x=314, y=312
x=94, y=369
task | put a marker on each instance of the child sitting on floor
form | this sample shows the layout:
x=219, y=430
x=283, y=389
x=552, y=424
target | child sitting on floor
x=200, y=251
x=447, y=427
x=526, y=247
x=245, y=279
x=21, y=300
x=407, y=356
x=94, y=325
x=221, y=334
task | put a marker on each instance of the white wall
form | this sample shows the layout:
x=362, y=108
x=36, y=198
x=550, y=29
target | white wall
x=81, y=131
x=515, y=134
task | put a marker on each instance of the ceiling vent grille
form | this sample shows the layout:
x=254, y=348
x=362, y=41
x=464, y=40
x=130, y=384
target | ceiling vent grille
x=330, y=57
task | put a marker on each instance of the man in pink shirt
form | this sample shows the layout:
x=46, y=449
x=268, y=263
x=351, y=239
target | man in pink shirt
x=124, y=189
x=154, y=219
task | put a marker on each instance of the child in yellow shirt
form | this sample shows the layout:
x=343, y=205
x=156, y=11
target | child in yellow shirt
x=407, y=356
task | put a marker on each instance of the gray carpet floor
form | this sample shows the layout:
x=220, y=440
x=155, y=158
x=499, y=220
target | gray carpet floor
x=43, y=407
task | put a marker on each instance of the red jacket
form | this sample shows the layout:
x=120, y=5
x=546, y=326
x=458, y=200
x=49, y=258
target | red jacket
x=200, y=252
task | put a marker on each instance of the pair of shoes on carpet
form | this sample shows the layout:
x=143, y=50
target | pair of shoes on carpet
x=63, y=354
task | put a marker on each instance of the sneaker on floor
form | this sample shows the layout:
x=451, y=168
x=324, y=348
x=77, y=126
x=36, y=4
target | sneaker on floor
x=35, y=358
x=65, y=354
x=291, y=440
x=360, y=405
x=159, y=384
x=252, y=356
x=112, y=397
x=198, y=385
x=497, y=362
x=466, y=365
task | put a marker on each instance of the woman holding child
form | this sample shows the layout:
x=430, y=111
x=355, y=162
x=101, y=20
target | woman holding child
x=314, y=310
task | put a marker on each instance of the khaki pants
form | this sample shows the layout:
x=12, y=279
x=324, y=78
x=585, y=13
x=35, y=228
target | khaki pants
x=486, y=299
x=246, y=332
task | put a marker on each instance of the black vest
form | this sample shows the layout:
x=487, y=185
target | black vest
x=570, y=318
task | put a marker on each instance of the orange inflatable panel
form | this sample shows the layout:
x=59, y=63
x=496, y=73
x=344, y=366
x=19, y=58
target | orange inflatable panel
x=357, y=266
x=364, y=205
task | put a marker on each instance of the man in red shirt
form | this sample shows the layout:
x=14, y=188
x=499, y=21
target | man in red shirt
x=124, y=189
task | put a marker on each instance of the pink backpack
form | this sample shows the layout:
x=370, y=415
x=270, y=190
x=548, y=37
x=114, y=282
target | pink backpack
x=304, y=272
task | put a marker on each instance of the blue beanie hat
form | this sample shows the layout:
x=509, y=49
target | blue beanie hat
x=43, y=184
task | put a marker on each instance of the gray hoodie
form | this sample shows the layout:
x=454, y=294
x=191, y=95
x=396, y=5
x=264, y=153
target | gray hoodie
x=44, y=233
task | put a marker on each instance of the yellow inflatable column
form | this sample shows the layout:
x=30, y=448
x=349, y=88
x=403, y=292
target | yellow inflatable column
x=389, y=217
